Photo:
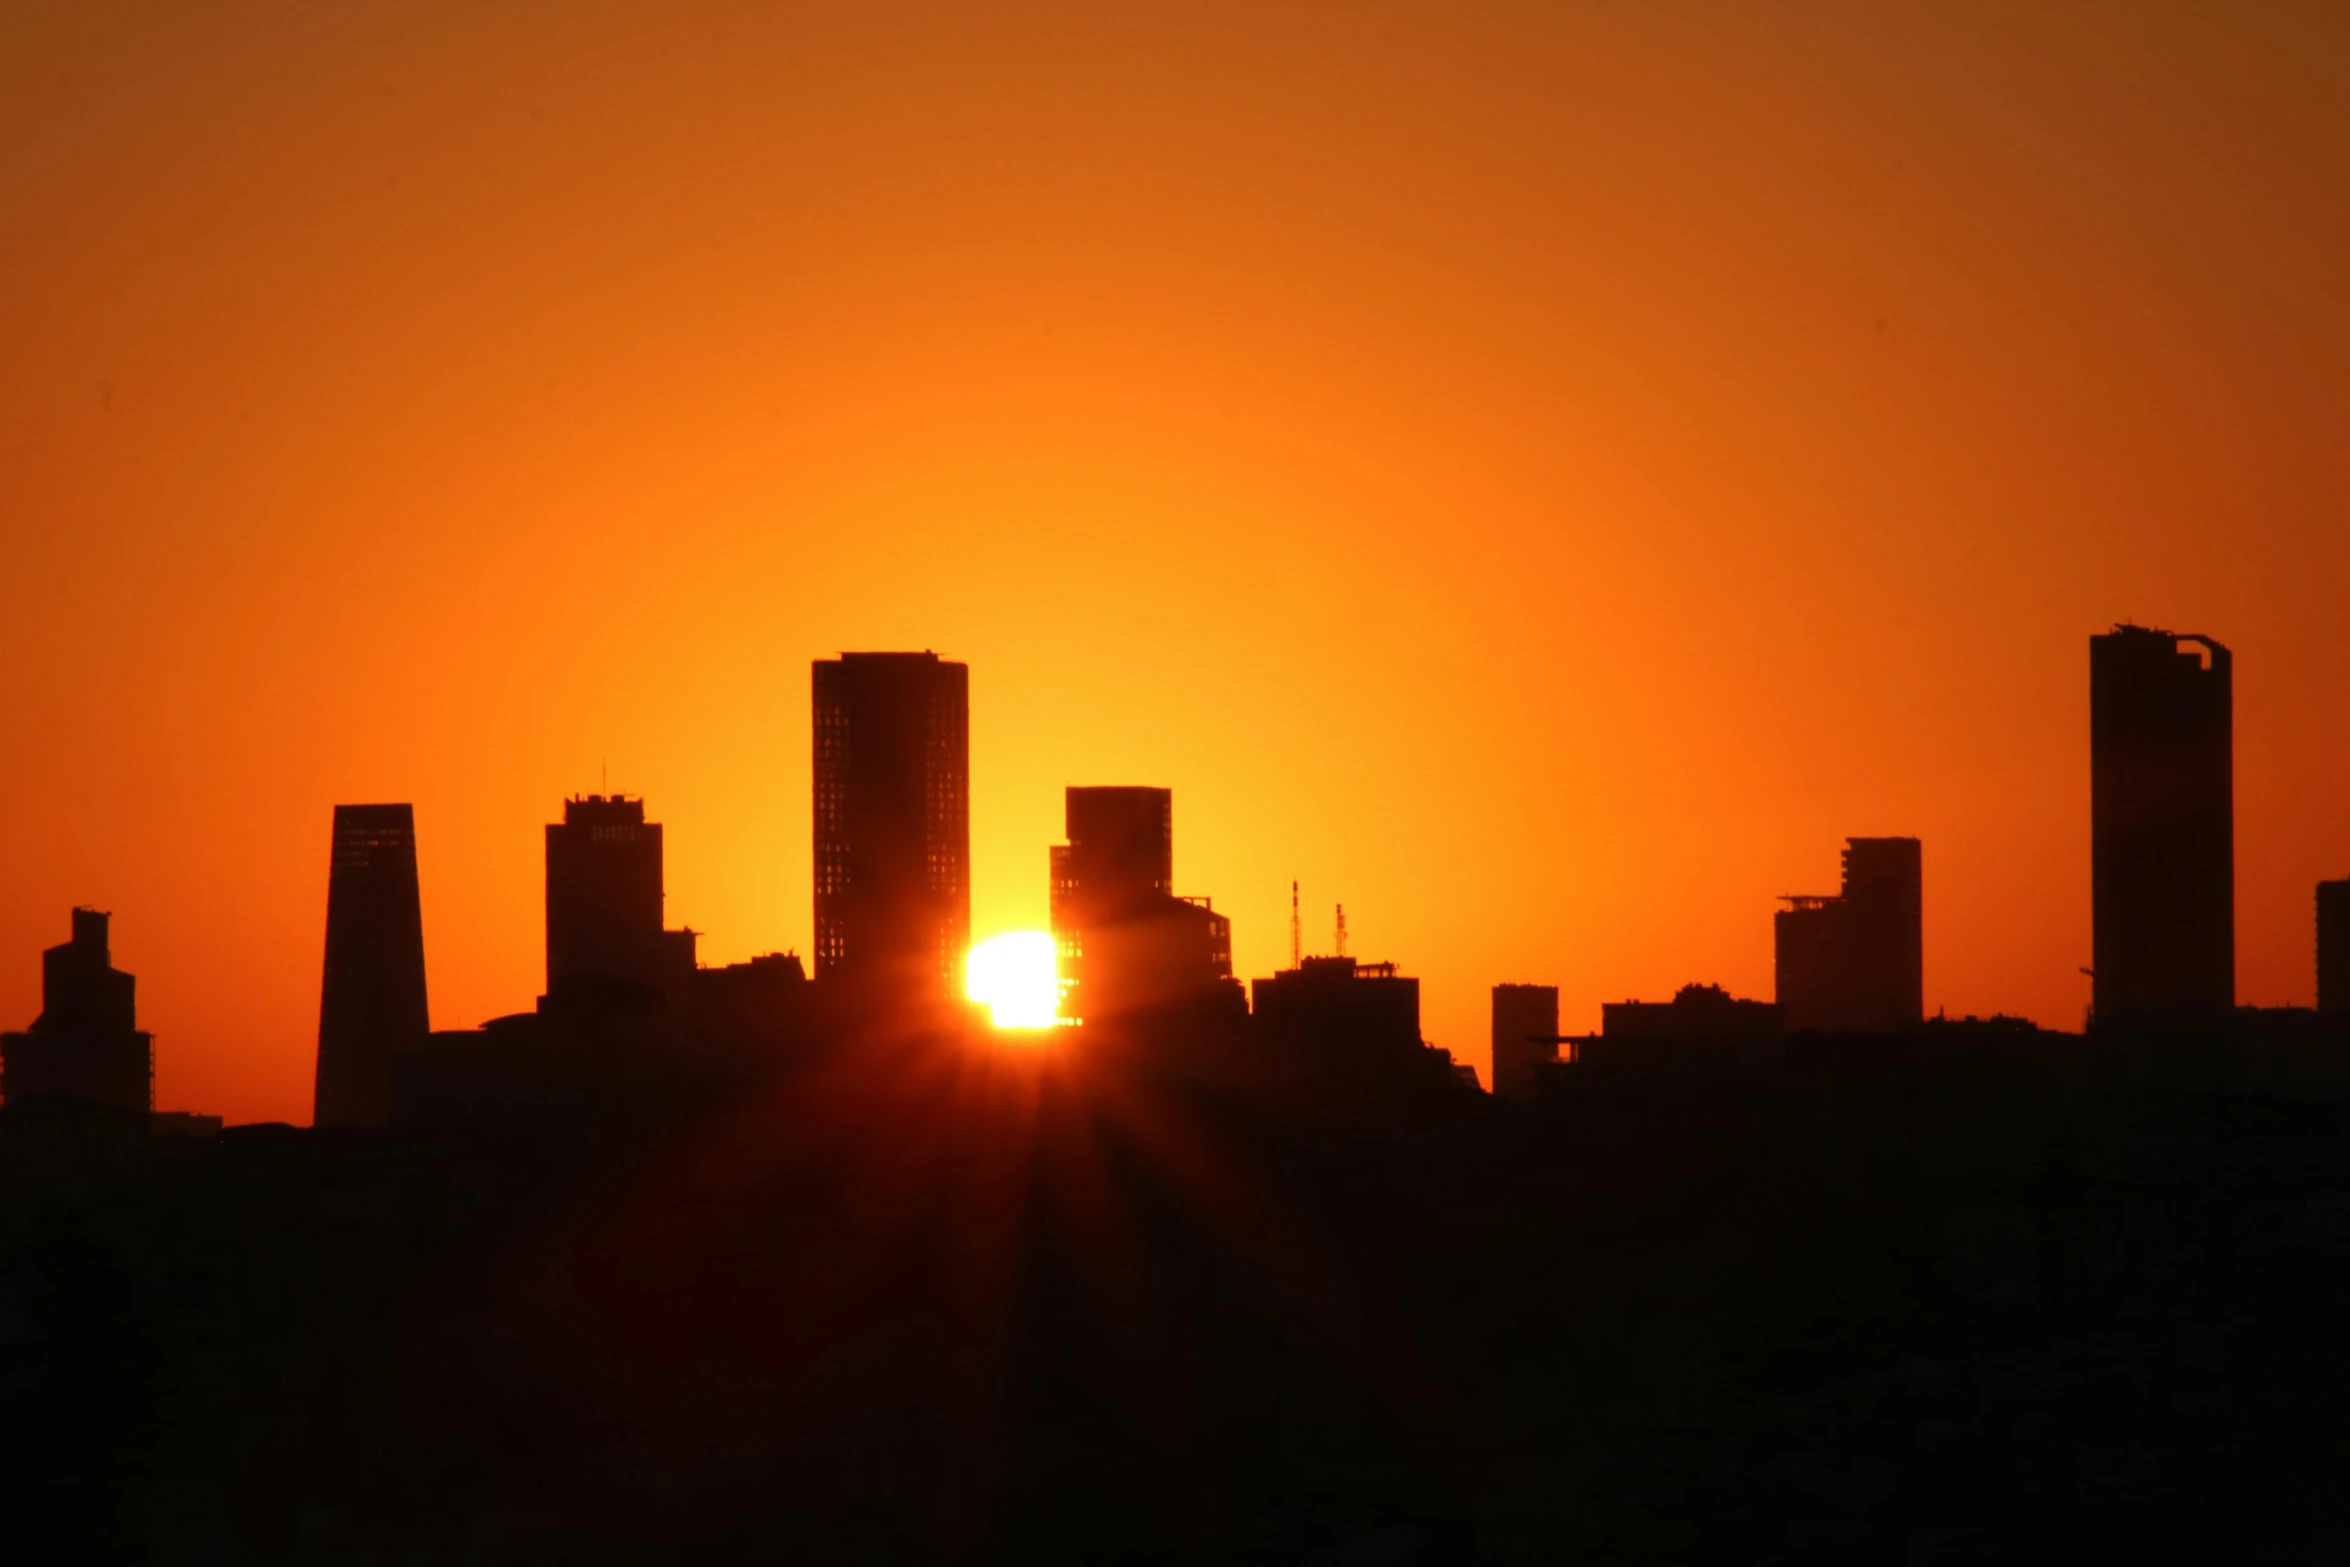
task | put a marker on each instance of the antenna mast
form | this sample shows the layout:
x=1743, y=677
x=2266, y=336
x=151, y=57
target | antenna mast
x=1296, y=946
x=1342, y=930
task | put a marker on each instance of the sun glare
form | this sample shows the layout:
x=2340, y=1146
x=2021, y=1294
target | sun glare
x=1017, y=978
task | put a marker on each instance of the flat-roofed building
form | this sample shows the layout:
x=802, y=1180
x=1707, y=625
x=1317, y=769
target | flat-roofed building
x=2162, y=834
x=1525, y=1035
x=2333, y=947
x=893, y=820
x=371, y=1003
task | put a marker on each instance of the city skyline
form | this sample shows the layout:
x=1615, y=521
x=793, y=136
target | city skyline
x=2161, y=744
x=1543, y=484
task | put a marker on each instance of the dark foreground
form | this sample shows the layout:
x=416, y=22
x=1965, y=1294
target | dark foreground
x=2061, y=1299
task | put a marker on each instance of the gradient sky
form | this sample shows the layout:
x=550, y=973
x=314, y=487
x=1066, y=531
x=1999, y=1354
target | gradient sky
x=1539, y=474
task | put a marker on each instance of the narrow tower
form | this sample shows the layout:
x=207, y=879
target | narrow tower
x=2162, y=810
x=893, y=820
x=371, y=1003
x=2333, y=947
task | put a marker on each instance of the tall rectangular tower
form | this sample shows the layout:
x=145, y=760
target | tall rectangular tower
x=1120, y=857
x=371, y=1003
x=1525, y=1034
x=2333, y=947
x=604, y=903
x=2162, y=810
x=893, y=819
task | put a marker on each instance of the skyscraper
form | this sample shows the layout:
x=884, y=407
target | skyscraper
x=1525, y=1033
x=1120, y=855
x=1855, y=963
x=604, y=906
x=1126, y=941
x=87, y=1043
x=371, y=1002
x=893, y=819
x=2333, y=947
x=2162, y=807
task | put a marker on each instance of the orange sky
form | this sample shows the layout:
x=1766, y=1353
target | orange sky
x=1540, y=474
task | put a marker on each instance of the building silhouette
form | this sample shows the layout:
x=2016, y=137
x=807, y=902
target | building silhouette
x=1126, y=941
x=606, y=943
x=371, y=1004
x=893, y=820
x=1855, y=963
x=2162, y=850
x=755, y=998
x=2333, y=947
x=1525, y=1034
x=1697, y=1015
x=86, y=1044
x=1338, y=1013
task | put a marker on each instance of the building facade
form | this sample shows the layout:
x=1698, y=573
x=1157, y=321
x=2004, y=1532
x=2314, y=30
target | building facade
x=1126, y=942
x=893, y=820
x=371, y=1003
x=606, y=936
x=2333, y=947
x=87, y=1044
x=1855, y=963
x=1525, y=1034
x=2162, y=807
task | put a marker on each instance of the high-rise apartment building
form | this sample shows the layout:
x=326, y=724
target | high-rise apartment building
x=1525, y=1034
x=1855, y=963
x=1120, y=856
x=87, y=1043
x=371, y=1003
x=2333, y=947
x=893, y=819
x=604, y=905
x=1126, y=942
x=2162, y=807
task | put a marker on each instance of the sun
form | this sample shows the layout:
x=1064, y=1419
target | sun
x=1017, y=978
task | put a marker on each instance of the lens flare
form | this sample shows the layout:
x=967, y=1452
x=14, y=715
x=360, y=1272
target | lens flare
x=1017, y=978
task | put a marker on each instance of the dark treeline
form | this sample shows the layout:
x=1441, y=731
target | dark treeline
x=1948, y=1296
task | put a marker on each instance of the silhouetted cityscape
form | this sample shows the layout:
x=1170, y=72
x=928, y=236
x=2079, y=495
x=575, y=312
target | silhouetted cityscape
x=776, y=1263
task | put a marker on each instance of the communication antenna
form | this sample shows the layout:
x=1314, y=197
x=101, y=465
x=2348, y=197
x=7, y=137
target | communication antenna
x=1342, y=930
x=1296, y=944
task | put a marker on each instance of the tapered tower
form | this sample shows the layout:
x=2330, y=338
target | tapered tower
x=371, y=1003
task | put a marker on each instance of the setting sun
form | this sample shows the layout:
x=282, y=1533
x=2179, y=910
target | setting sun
x=1017, y=978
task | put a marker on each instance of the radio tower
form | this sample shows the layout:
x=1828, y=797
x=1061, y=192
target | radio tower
x=1342, y=930
x=1296, y=947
